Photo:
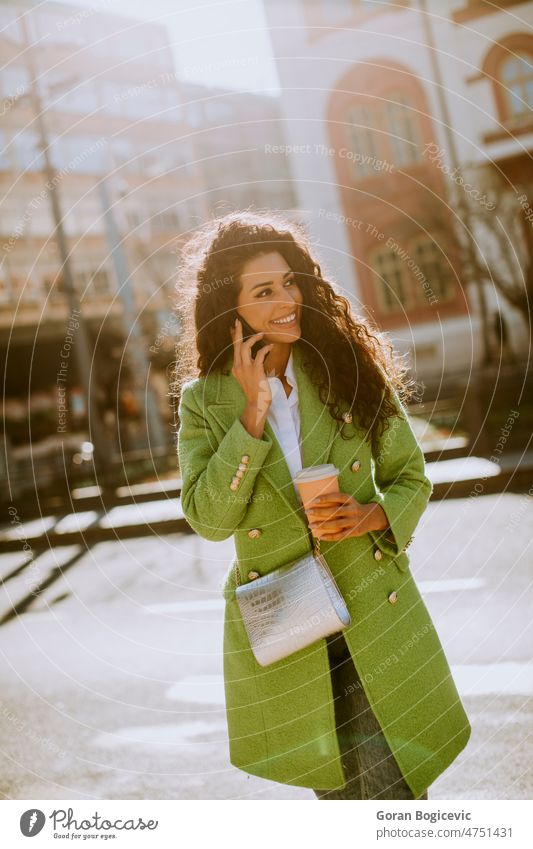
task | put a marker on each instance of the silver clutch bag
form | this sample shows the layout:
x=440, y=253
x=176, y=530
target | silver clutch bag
x=291, y=607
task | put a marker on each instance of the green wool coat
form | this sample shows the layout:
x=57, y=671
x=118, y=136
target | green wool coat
x=281, y=718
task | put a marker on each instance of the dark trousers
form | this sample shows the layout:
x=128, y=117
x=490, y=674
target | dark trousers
x=369, y=767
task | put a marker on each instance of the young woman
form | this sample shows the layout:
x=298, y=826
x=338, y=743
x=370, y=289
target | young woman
x=371, y=712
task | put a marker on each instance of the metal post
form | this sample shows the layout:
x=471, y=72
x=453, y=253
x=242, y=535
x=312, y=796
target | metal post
x=452, y=151
x=82, y=350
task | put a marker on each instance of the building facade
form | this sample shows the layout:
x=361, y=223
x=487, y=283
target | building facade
x=391, y=113
x=230, y=131
x=115, y=133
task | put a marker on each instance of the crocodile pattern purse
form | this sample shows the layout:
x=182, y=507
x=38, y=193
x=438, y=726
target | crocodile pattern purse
x=291, y=607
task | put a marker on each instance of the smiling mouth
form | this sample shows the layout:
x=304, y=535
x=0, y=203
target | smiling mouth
x=288, y=320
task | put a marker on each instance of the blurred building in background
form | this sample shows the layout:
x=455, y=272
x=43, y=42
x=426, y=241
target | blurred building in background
x=231, y=130
x=112, y=116
x=139, y=156
x=409, y=133
x=402, y=139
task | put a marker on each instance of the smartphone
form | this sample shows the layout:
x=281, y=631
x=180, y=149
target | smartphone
x=248, y=331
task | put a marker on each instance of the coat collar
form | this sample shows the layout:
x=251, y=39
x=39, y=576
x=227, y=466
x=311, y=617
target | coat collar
x=318, y=428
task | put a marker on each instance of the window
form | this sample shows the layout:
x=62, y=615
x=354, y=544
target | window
x=5, y=153
x=382, y=135
x=134, y=218
x=80, y=282
x=54, y=287
x=51, y=27
x=15, y=82
x=79, y=154
x=37, y=214
x=101, y=282
x=32, y=291
x=412, y=278
x=6, y=294
x=516, y=74
x=401, y=126
x=361, y=138
x=29, y=156
x=112, y=96
x=432, y=272
x=121, y=150
x=392, y=281
x=10, y=25
x=77, y=97
x=509, y=67
x=90, y=283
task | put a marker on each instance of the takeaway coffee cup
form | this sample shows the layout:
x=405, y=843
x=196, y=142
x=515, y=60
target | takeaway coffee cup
x=315, y=481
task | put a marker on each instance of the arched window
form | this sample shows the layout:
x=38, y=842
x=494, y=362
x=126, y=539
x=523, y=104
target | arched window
x=361, y=139
x=516, y=74
x=509, y=67
x=386, y=130
x=402, y=129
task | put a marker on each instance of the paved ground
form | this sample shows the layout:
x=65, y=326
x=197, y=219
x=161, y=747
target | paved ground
x=111, y=681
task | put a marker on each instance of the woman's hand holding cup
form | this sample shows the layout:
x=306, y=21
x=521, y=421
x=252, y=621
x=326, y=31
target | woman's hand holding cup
x=337, y=515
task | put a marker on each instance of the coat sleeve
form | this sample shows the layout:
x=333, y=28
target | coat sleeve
x=403, y=489
x=210, y=507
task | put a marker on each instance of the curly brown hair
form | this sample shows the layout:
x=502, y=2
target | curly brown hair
x=350, y=362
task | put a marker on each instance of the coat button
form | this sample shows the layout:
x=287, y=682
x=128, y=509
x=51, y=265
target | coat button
x=239, y=473
x=245, y=458
x=356, y=465
x=347, y=417
x=255, y=533
x=377, y=554
x=253, y=575
x=393, y=597
x=234, y=484
x=242, y=467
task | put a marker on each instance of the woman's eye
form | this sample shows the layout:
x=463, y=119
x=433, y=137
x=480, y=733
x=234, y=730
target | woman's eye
x=291, y=280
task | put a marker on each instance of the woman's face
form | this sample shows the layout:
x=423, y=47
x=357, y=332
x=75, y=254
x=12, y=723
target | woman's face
x=269, y=293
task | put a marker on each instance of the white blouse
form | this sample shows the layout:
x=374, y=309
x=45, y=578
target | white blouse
x=284, y=418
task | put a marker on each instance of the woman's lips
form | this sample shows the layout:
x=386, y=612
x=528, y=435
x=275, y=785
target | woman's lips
x=286, y=323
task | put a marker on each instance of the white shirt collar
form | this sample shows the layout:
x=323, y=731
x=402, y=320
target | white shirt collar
x=289, y=372
x=276, y=385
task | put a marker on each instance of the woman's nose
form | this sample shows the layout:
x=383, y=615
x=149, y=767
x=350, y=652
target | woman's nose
x=289, y=297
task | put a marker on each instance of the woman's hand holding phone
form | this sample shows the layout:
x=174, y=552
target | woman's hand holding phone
x=250, y=373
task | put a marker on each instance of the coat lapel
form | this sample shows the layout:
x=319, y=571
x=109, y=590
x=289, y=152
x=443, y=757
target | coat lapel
x=318, y=428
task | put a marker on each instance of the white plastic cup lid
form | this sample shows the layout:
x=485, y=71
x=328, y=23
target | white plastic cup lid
x=315, y=473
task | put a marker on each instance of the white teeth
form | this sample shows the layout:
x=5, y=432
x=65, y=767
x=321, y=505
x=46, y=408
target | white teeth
x=285, y=320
